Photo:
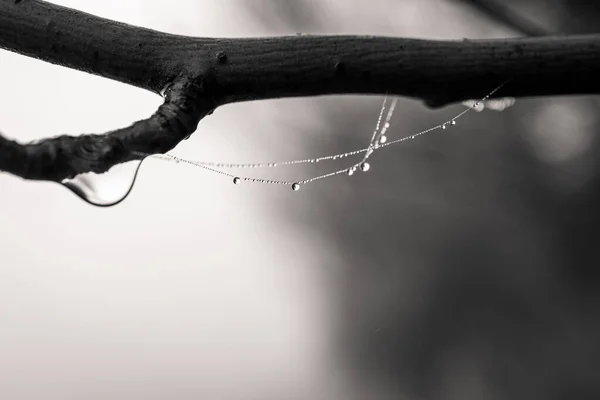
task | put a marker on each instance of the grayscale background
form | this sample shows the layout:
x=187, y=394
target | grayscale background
x=463, y=265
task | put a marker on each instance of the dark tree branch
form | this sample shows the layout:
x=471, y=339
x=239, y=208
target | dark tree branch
x=62, y=157
x=205, y=73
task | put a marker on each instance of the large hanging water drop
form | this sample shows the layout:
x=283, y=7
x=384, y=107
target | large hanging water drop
x=107, y=189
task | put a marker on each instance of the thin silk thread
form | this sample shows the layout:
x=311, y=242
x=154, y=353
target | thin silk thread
x=378, y=141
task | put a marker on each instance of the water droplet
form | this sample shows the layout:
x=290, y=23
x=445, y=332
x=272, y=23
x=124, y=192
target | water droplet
x=453, y=122
x=350, y=171
x=296, y=186
x=387, y=125
x=365, y=167
x=443, y=126
x=383, y=139
x=107, y=189
x=236, y=180
x=412, y=137
x=164, y=90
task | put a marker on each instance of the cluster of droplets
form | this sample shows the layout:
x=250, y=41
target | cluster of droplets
x=378, y=141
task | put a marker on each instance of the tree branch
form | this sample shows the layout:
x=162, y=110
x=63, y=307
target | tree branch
x=62, y=157
x=205, y=73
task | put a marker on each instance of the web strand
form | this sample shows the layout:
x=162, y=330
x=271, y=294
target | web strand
x=377, y=142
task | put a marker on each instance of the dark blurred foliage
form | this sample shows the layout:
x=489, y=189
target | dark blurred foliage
x=542, y=17
x=469, y=271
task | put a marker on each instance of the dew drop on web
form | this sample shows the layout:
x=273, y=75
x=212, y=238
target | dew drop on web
x=106, y=189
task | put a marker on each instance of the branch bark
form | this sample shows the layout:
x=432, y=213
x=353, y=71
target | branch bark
x=202, y=74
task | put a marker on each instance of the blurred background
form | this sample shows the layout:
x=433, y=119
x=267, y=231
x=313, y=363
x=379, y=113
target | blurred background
x=463, y=265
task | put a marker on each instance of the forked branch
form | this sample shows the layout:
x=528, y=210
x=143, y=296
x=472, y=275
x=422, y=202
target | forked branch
x=202, y=74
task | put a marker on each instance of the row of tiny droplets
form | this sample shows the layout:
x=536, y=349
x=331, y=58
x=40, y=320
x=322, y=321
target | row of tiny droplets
x=378, y=140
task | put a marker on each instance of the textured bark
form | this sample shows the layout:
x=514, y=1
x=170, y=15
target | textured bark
x=62, y=157
x=206, y=73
